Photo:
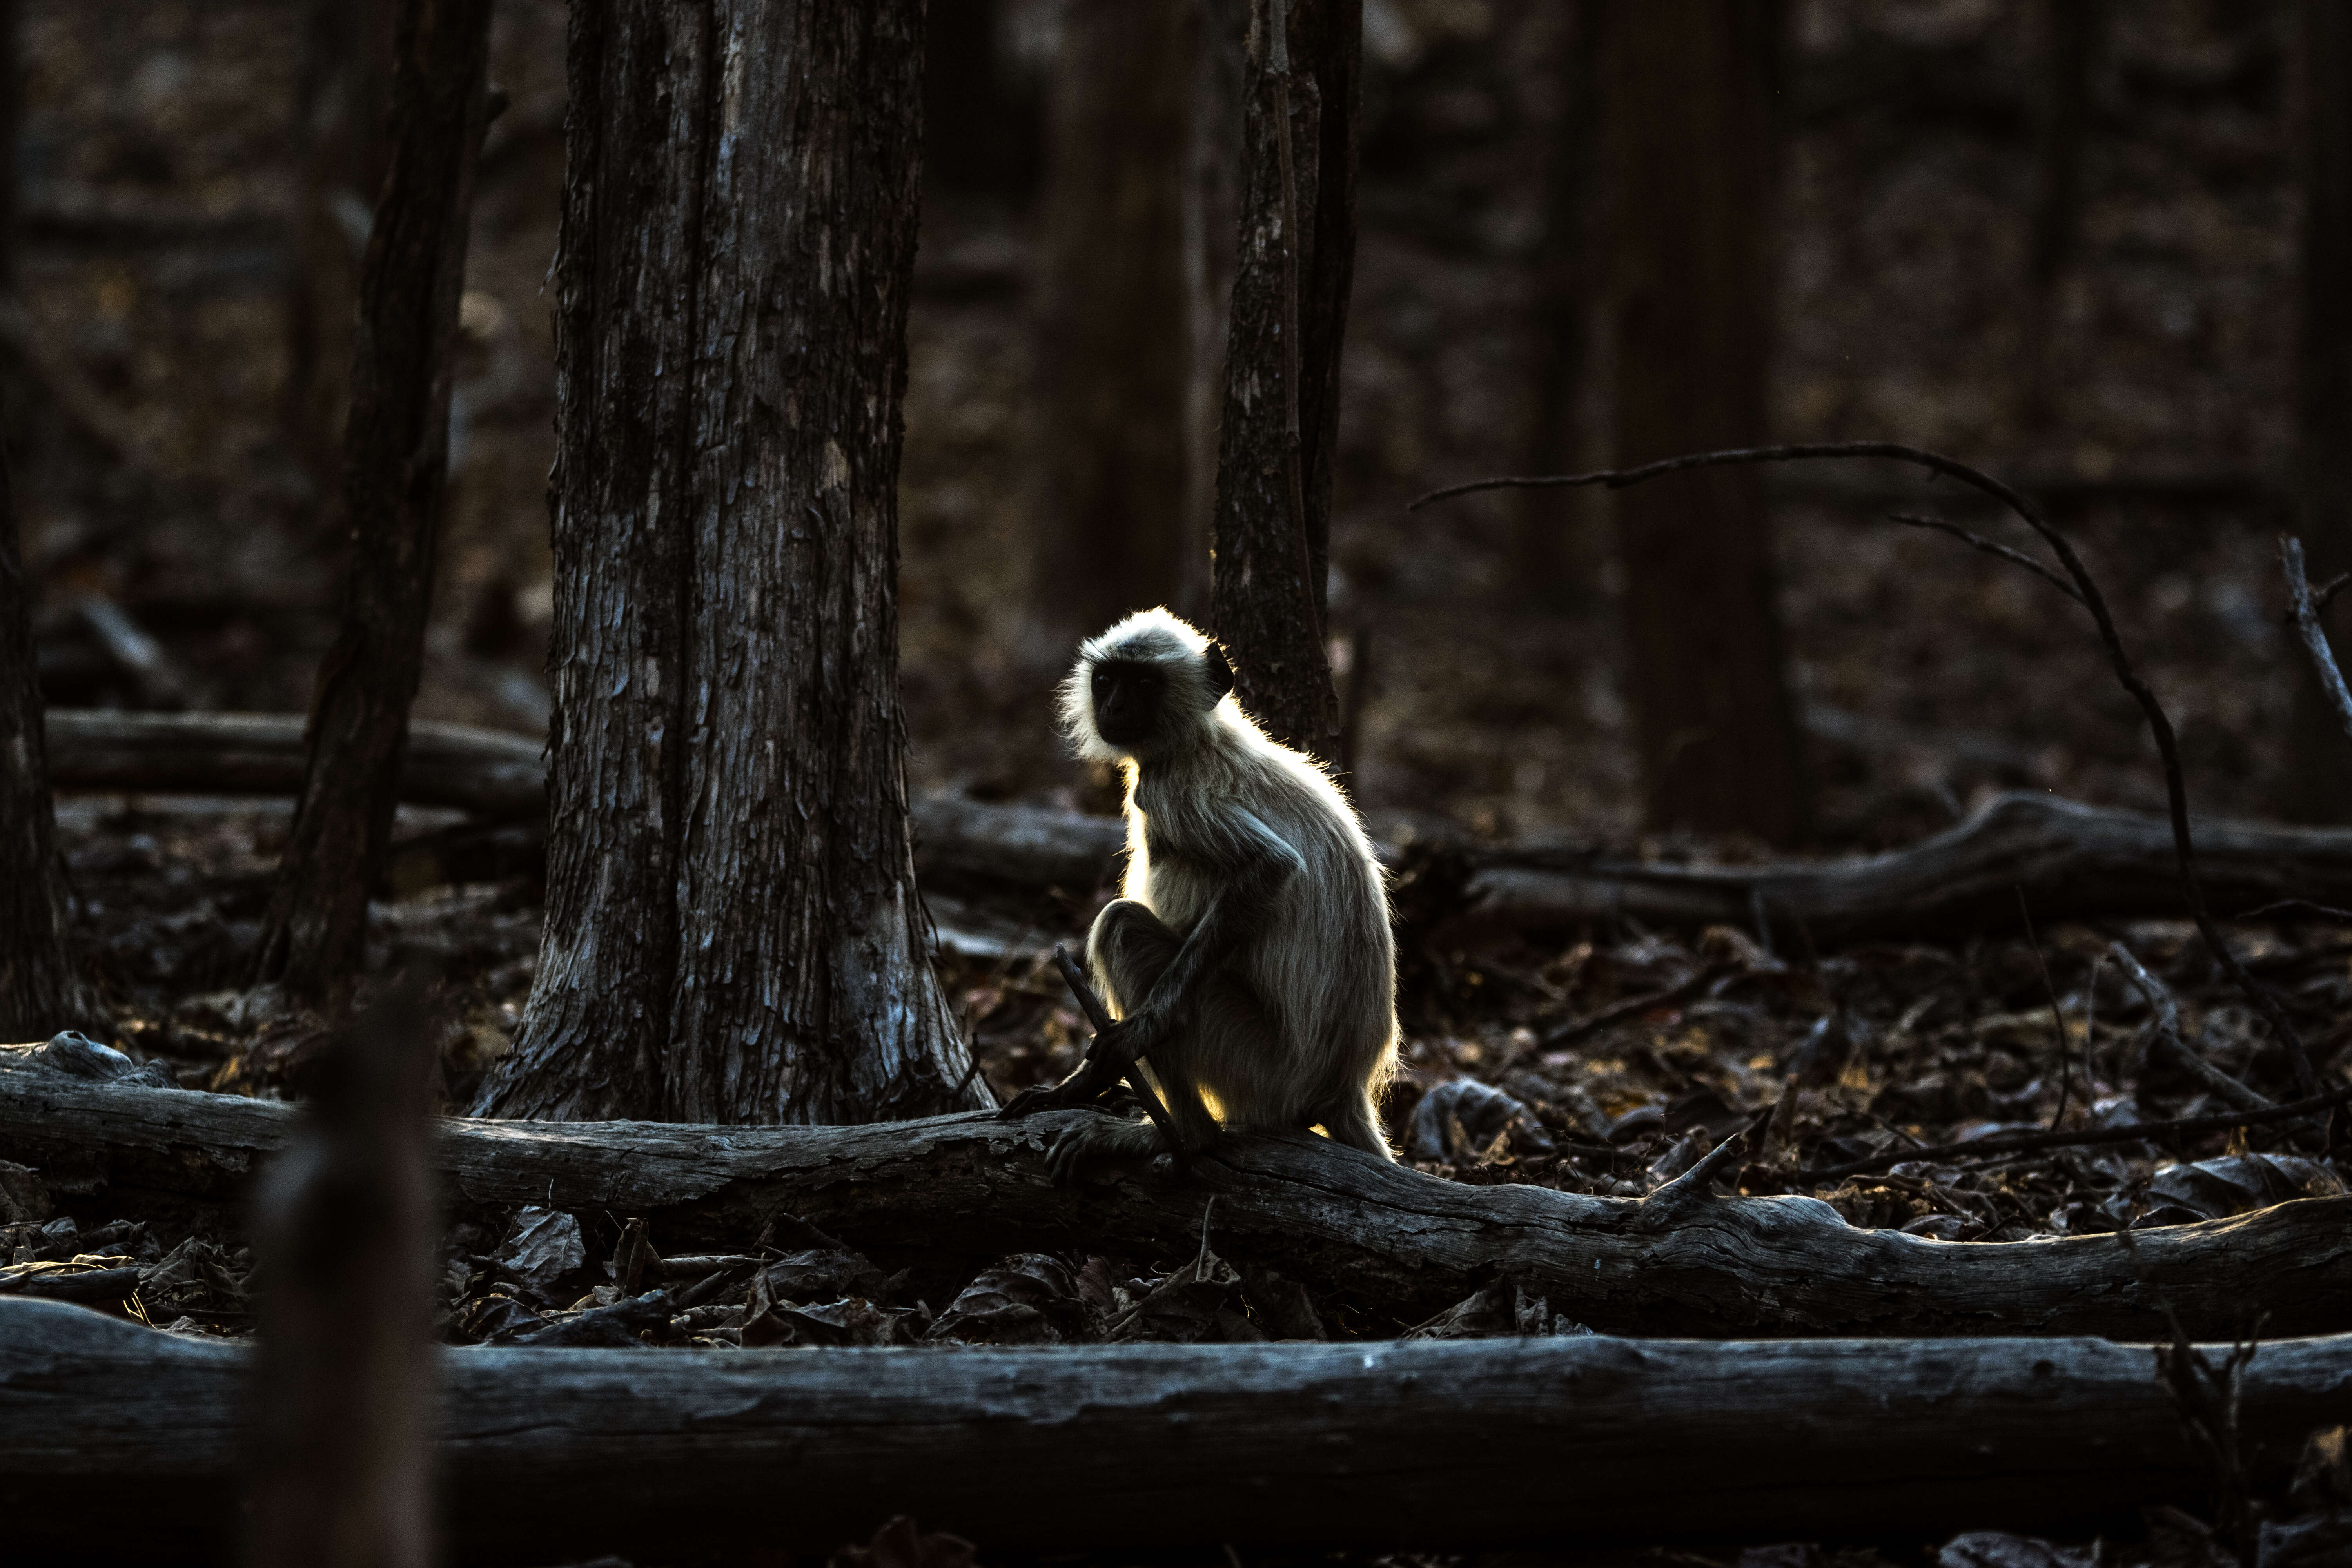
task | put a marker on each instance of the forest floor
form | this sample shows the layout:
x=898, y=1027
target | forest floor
x=1861, y=1051
x=2147, y=393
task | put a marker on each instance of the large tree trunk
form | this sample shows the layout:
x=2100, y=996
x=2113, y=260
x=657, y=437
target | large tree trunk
x=115, y=1439
x=2319, y=788
x=39, y=991
x=1690, y=133
x=1113, y=340
x=338, y=130
x=733, y=929
x=395, y=458
x=1281, y=426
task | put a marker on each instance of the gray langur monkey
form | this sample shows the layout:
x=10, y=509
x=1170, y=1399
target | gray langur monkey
x=1250, y=963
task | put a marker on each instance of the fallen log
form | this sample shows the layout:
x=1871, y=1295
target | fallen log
x=502, y=777
x=487, y=771
x=116, y=1439
x=2071, y=861
x=946, y=1192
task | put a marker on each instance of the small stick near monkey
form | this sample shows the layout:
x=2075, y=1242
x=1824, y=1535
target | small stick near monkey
x=1099, y=1018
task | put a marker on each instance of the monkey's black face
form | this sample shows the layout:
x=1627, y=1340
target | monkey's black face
x=1127, y=699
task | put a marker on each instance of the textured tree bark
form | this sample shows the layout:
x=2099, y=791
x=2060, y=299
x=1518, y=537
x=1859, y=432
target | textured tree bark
x=395, y=458
x=1114, y=344
x=1275, y=453
x=40, y=992
x=1691, y=162
x=1440, y=1445
x=338, y=126
x=732, y=928
x=1558, y=552
x=1386, y=1237
x=2319, y=787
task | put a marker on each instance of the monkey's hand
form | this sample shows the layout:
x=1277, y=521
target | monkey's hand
x=1082, y=1089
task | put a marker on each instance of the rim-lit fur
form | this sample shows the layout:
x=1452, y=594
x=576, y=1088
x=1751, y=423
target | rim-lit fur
x=1148, y=636
x=1299, y=1027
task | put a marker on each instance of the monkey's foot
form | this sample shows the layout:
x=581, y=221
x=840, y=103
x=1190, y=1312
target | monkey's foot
x=1093, y=1142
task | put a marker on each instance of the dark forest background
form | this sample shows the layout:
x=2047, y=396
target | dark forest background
x=2061, y=242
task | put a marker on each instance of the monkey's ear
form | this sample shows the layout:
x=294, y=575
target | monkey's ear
x=1220, y=673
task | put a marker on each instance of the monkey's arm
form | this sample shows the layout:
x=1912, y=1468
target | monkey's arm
x=1255, y=863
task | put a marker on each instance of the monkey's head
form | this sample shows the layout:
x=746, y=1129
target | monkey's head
x=1143, y=689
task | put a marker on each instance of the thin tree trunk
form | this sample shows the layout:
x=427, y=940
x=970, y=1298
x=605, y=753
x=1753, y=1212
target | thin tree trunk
x=1558, y=552
x=963, y=107
x=733, y=929
x=2319, y=788
x=1690, y=133
x=1114, y=337
x=1215, y=32
x=12, y=124
x=2072, y=30
x=39, y=991
x=2071, y=35
x=396, y=457
x=1295, y=264
x=339, y=128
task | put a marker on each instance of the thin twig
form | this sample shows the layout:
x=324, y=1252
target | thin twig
x=1990, y=547
x=2057, y=1017
x=2315, y=635
x=2085, y=1137
x=2176, y=1046
x=1098, y=1017
x=2325, y=594
x=2159, y=724
x=1682, y=990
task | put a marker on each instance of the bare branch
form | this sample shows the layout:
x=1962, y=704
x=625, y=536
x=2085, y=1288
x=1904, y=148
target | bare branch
x=2170, y=1038
x=1990, y=547
x=2315, y=635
